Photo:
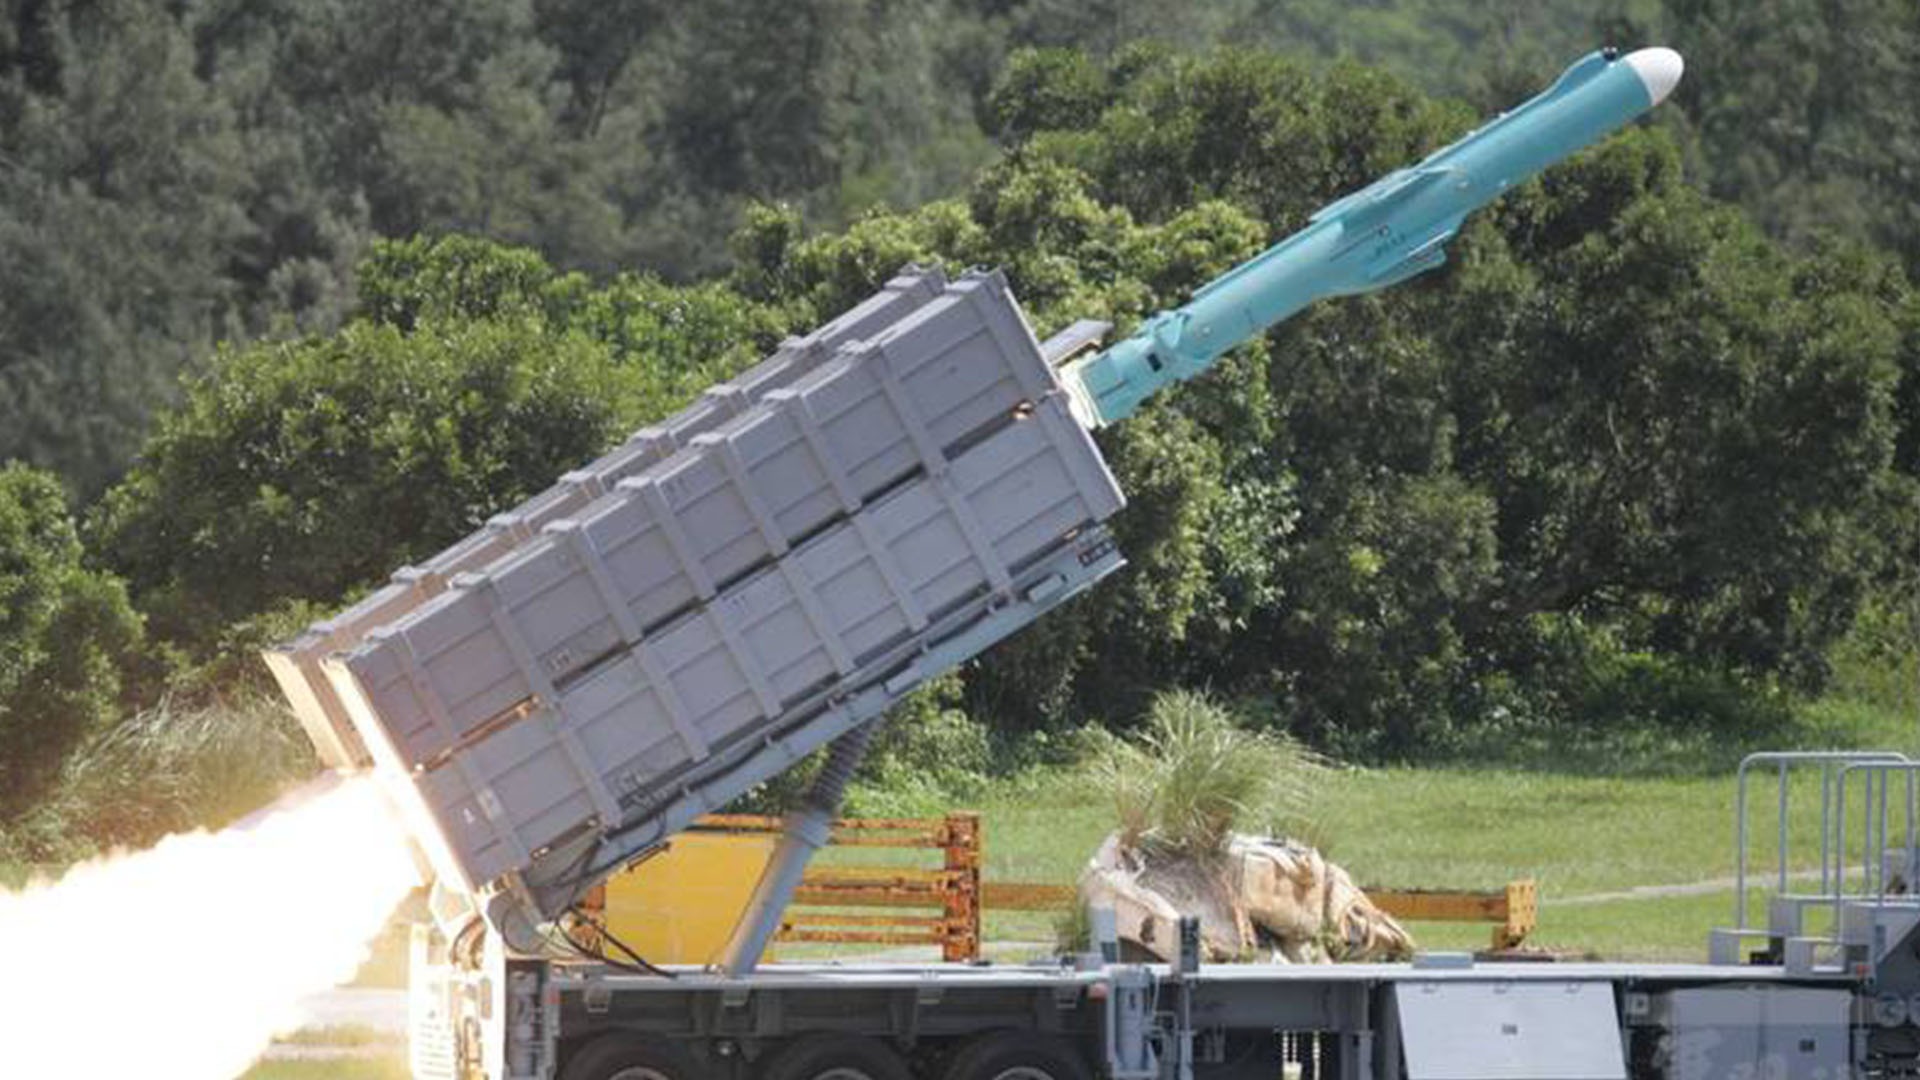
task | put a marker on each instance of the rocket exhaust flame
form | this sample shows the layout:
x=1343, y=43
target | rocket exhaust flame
x=184, y=960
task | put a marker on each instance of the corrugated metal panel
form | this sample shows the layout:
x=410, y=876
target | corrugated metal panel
x=553, y=880
x=730, y=503
x=295, y=665
x=507, y=786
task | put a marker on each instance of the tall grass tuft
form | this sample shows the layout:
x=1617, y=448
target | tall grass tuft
x=167, y=769
x=1194, y=777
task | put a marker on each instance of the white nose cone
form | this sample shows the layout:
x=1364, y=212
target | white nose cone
x=1659, y=70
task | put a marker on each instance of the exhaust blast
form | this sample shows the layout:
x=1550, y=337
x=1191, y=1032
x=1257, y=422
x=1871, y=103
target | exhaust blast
x=184, y=960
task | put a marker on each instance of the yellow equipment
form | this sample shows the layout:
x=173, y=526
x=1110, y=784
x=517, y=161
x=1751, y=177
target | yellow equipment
x=679, y=906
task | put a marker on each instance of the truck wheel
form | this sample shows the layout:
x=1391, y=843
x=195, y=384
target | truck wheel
x=628, y=1057
x=835, y=1057
x=1016, y=1055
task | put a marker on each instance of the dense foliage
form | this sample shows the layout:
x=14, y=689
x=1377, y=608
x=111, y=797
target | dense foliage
x=1624, y=425
x=176, y=175
x=1632, y=458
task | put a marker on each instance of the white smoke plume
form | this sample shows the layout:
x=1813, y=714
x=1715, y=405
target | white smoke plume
x=182, y=962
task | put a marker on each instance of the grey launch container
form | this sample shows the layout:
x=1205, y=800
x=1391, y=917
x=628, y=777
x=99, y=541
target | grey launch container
x=775, y=583
x=296, y=664
x=838, y=608
x=732, y=501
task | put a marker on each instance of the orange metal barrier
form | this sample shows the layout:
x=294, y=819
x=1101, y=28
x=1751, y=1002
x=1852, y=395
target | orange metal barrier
x=900, y=905
x=952, y=890
x=1514, y=909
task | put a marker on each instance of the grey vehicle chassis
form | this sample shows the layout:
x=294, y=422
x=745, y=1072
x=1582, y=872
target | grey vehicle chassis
x=1542, y=1021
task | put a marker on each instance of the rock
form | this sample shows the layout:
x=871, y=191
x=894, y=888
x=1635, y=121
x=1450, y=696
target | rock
x=1258, y=895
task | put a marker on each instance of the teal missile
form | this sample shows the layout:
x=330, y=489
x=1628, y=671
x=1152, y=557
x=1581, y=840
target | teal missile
x=1383, y=234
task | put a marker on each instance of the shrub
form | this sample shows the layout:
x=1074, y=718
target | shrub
x=1194, y=776
x=929, y=755
x=1876, y=661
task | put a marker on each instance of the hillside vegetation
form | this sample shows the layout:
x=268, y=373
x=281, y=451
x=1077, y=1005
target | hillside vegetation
x=176, y=175
x=1639, y=464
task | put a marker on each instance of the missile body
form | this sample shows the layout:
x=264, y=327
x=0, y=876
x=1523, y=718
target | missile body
x=1383, y=234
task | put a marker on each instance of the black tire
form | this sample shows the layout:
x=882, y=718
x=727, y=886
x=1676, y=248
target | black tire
x=629, y=1057
x=829, y=1056
x=1017, y=1055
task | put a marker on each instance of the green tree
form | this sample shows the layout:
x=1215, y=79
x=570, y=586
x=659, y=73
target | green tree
x=65, y=631
x=459, y=278
x=1700, y=460
x=1624, y=417
x=1067, y=257
x=306, y=469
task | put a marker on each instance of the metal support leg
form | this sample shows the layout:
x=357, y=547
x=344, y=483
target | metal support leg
x=807, y=830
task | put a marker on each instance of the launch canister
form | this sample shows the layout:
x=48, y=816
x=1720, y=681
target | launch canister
x=1385, y=233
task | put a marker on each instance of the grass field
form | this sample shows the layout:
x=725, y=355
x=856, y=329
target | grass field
x=1433, y=828
x=1667, y=822
x=1586, y=838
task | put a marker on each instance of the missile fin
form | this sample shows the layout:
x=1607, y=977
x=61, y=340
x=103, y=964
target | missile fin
x=1408, y=267
x=1427, y=256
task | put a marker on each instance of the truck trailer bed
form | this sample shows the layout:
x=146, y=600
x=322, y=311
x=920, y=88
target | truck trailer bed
x=1421, y=1021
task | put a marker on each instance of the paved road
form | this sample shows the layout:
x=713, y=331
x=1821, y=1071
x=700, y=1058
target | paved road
x=1764, y=878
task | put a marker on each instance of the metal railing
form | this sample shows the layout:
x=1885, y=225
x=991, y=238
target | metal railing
x=1834, y=765
x=1876, y=779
